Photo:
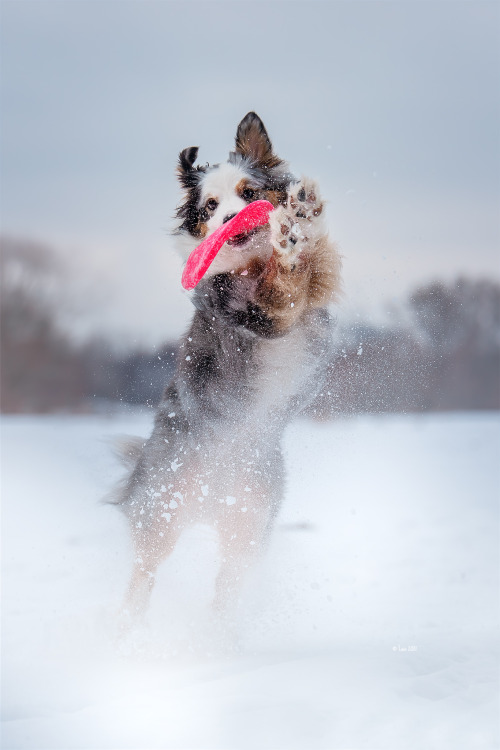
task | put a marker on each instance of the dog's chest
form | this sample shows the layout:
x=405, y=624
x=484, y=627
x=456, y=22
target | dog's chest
x=282, y=369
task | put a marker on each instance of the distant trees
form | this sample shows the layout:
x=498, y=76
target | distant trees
x=460, y=327
x=442, y=353
x=136, y=377
x=374, y=369
x=42, y=368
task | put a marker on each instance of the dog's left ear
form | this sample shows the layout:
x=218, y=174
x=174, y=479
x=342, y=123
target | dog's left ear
x=186, y=172
x=253, y=142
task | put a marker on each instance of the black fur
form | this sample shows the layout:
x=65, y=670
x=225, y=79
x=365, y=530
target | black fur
x=245, y=314
x=186, y=171
x=189, y=177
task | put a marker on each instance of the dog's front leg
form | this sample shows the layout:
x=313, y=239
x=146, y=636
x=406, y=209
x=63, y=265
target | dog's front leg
x=304, y=269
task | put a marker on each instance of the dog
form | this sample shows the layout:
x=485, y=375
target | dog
x=253, y=357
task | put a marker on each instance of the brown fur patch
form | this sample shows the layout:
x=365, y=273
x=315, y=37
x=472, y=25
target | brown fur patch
x=201, y=229
x=253, y=147
x=240, y=187
x=287, y=290
x=255, y=267
x=276, y=197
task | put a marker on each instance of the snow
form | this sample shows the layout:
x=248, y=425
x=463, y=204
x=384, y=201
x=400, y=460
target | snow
x=371, y=622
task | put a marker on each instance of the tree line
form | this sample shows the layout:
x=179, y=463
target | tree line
x=442, y=352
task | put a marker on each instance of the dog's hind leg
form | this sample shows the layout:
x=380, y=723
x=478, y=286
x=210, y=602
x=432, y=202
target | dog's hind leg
x=139, y=591
x=241, y=539
x=151, y=548
x=304, y=269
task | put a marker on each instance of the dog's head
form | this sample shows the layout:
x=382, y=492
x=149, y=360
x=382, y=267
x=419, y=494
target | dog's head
x=214, y=194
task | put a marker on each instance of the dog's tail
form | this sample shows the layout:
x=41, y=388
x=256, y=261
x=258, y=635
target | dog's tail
x=127, y=449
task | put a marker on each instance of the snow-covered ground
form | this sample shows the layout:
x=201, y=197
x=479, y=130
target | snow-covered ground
x=372, y=621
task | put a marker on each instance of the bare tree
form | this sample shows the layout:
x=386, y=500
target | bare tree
x=40, y=371
x=442, y=353
x=461, y=324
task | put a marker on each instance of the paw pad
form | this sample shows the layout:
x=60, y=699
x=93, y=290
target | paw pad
x=294, y=225
x=305, y=201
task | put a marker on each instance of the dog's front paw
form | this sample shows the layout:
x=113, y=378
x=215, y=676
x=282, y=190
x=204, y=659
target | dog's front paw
x=295, y=225
x=305, y=201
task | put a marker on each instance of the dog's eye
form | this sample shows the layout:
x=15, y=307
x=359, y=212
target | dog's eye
x=212, y=204
x=248, y=194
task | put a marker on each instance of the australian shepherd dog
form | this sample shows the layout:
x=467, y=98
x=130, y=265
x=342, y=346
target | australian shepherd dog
x=253, y=357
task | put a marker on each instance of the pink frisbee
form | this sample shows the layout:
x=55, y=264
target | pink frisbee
x=254, y=215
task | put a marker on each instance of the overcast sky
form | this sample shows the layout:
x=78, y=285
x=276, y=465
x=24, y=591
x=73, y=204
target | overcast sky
x=393, y=106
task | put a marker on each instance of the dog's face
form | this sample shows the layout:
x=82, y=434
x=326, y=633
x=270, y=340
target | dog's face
x=214, y=194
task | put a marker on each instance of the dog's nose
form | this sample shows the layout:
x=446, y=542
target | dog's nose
x=228, y=218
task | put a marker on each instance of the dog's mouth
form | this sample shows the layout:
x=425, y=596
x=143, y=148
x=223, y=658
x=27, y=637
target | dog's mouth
x=241, y=239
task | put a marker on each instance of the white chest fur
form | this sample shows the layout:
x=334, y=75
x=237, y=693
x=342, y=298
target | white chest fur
x=285, y=365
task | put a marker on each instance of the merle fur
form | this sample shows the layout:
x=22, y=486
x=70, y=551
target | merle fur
x=223, y=413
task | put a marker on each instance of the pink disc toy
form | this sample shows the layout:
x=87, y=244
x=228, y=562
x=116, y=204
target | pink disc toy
x=254, y=215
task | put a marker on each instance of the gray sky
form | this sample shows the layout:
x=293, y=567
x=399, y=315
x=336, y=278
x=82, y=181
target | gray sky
x=393, y=106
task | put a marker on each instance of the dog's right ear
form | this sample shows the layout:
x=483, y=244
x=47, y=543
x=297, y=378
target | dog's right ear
x=253, y=142
x=185, y=167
